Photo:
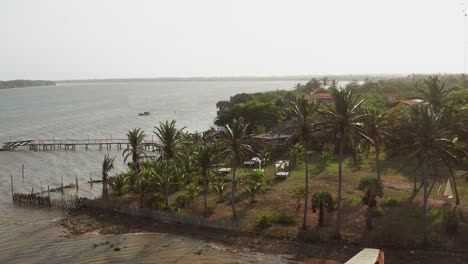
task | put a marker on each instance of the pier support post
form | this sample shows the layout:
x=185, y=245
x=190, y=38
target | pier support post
x=22, y=172
x=48, y=193
x=76, y=179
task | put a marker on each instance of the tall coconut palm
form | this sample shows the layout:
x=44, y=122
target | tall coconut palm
x=107, y=166
x=171, y=139
x=136, y=151
x=208, y=154
x=436, y=92
x=236, y=151
x=343, y=121
x=430, y=143
x=302, y=112
x=376, y=132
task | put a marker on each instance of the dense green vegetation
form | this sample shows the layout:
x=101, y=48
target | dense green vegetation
x=23, y=83
x=355, y=152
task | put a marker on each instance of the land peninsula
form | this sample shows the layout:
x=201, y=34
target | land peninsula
x=24, y=83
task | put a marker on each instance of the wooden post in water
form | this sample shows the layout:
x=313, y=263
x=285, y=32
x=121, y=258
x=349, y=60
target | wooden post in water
x=76, y=179
x=48, y=193
x=22, y=172
x=12, y=194
x=91, y=180
x=61, y=184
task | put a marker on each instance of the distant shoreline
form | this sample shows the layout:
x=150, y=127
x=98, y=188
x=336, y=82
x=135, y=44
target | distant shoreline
x=347, y=77
x=24, y=83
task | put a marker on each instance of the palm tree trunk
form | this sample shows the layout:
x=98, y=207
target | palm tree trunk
x=452, y=175
x=306, y=194
x=233, y=193
x=321, y=214
x=377, y=161
x=137, y=166
x=369, y=211
x=340, y=165
x=166, y=186
x=204, y=190
x=425, y=205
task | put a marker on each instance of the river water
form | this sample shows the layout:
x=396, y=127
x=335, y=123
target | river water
x=96, y=110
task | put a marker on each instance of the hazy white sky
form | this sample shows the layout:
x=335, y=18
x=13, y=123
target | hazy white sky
x=79, y=39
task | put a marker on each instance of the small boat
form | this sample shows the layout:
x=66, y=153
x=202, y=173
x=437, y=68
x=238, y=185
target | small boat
x=144, y=114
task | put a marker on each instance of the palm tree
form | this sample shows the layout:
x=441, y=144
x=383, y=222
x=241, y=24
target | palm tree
x=320, y=200
x=207, y=155
x=136, y=151
x=302, y=112
x=107, y=165
x=170, y=139
x=376, y=132
x=430, y=143
x=343, y=121
x=436, y=92
x=325, y=81
x=334, y=84
x=372, y=188
x=237, y=151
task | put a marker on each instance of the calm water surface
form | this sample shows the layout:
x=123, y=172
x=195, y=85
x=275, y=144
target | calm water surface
x=96, y=110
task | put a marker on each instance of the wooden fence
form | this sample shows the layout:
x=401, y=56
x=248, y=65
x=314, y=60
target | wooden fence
x=160, y=215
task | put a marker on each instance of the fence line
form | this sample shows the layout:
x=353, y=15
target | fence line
x=160, y=215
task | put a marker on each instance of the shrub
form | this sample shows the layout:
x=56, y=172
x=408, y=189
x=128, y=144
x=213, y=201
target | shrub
x=327, y=152
x=210, y=209
x=284, y=218
x=220, y=187
x=182, y=201
x=192, y=190
x=298, y=194
x=295, y=154
x=391, y=202
x=377, y=211
x=264, y=221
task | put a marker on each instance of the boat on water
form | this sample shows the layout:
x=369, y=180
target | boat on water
x=144, y=114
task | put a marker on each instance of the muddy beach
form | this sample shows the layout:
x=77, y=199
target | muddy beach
x=247, y=247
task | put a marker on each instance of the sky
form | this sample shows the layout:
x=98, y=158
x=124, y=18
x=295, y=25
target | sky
x=95, y=39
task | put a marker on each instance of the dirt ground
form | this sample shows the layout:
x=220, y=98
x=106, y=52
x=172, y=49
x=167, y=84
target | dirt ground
x=82, y=222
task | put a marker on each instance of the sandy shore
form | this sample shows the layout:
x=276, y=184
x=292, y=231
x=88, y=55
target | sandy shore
x=81, y=223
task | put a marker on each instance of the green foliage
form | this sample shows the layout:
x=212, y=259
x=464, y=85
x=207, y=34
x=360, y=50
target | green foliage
x=372, y=188
x=284, y=218
x=256, y=176
x=296, y=155
x=264, y=221
x=327, y=152
x=298, y=194
x=376, y=101
x=210, y=209
x=377, y=211
x=391, y=203
x=119, y=185
x=252, y=188
x=322, y=198
x=182, y=201
x=192, y=190
x=220, y=188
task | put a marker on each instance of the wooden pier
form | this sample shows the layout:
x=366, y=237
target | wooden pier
x=72, y=144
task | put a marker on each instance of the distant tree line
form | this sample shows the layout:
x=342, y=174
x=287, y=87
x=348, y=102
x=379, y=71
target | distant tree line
x=24, y=83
